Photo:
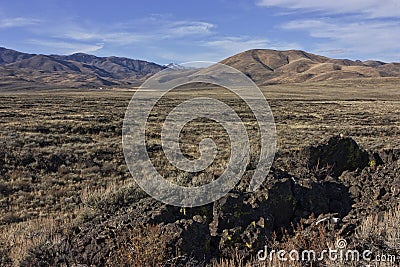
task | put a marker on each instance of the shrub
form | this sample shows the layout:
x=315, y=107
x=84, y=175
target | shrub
x=143, y=246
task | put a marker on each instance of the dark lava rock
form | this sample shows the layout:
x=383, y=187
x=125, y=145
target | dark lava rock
x=322, y=198
x=348, y=186
x=336, y=155
x=245, y=221
x=189, y=239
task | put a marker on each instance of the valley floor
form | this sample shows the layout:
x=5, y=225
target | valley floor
x=62, y=164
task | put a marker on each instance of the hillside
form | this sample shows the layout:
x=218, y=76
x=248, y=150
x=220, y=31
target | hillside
x=20, y=70
x=24, y=71
x=266, y=66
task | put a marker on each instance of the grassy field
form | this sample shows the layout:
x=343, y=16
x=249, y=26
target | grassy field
x=60, y=150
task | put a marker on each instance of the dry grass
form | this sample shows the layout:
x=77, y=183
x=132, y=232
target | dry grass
x=61, y=151
x=20, y=238
x=381, y=232
x=144, y=248
x=112, y=197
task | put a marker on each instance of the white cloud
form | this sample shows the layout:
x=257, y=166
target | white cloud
x=371, y=8
x=67, y=47
x=334, y=51
x=215, y=49
x=233, y=45
x=78, y=35
x=17, y=22
x=185, y=28
x=219, y=48
x=362, y=37
x=359, y=27
x=156, y=35
x=181, y=57
x=163, y=30
x=119, y=38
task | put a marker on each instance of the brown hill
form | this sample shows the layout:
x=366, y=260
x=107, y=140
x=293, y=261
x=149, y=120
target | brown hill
x=264, y=66
x=20, y=70
x=10, y=56
x=43, y=63
x=267, y=66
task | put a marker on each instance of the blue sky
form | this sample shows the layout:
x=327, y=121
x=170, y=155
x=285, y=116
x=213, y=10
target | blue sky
x=210, y=30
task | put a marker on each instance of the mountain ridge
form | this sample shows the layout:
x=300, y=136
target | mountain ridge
x=267, y=66
x=263, y=66
x=80, y=69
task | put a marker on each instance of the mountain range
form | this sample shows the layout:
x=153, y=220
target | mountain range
x=264, y=66
x=78, y=70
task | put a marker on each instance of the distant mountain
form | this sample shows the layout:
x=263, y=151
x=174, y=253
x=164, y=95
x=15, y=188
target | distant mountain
x=175, y=66
x=265, y=66
x=10, y=56
x=78, y=70
x=21, y=70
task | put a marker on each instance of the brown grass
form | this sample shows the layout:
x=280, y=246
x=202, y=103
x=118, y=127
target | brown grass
x=381, y=232
x=20, y=238
x=144, y=247
x=63, y=156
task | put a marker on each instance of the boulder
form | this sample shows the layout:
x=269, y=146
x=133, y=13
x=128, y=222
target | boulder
x=334, y=156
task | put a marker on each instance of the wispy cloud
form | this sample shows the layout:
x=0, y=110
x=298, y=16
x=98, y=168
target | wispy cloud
x=118, y=38
x=232, y=45
x=345, y=28
x=189, y=56
x=158, y=34
x=17, y=22
x=186, y=28
x=370, y=8
x=216, y=48
x=335, y=51
x=364, y=37
x=67, y=47
x=162, y=30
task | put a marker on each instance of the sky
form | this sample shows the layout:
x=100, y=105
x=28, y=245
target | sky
x=208, y=30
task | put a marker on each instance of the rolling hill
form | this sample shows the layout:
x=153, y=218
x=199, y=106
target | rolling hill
x=264, y=66
x=22, y=70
